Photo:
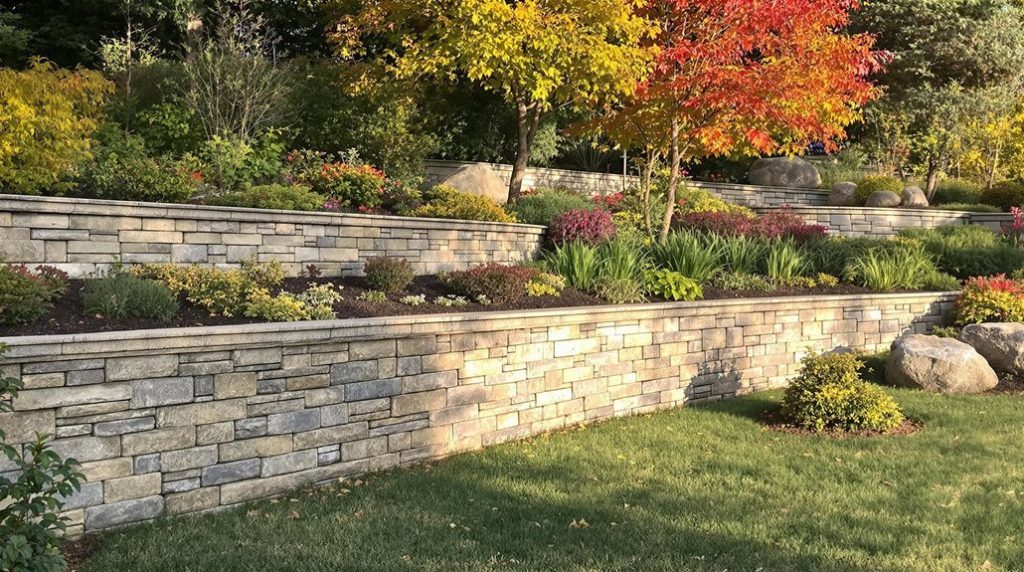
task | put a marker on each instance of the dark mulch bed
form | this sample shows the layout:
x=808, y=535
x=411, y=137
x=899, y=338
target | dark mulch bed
x=67, y=316
x=77, y=552
x=1009, y=385
x=773, y=421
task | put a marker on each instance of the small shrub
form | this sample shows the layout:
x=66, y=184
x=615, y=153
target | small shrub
x=373, y=297
x=498, y=282
x=953, y=191
x=277, y=197
x=691, y=254
x=672, y=285
x=781, y=223
x=741, y=281
x=621, y=290
x=482, y=300
x=992, y=299
x=388, y=275
x=877, y=183
x=120, y=295
x=34, y=494
x=1004, y=195
x=691, y=199
x=25, y=296
x=826, y=280
x=413, y=300
x=320, y=300
x=950, y=332
x=586, y=226
x=219, y=292
x=545, y=284
x=284, y=307
x=829, y=394
x=352, y=187
x=885, y=270
x=935, y=280
x=123, y=170
x=544, y=205
x=448, y=203
x=451, y=301
x=577, y=262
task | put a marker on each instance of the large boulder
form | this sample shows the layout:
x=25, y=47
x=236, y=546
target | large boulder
x=938, y=364
x=1001, y=344
x=914, y=197
x=884, y=199
x=479, y=179
x=843, y=195
x=792, y=172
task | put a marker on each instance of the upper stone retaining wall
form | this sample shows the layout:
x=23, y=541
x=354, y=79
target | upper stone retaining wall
x=180, y=421
x=879, y=222
x=608, y=183
x=81, y=236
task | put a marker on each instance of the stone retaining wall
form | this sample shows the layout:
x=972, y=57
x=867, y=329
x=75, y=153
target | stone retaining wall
x=81, y=236
x=608, y=183
x=878, y=222
x=181, y=421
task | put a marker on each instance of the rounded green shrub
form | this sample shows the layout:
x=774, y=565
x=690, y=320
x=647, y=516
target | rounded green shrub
x=120, y=295
x=875, y=183
x=123, y=170
x=389, y=275
x=1004, y=195
x=544, y=205
x=829, y=394
x=277, y=197
x=957, y=191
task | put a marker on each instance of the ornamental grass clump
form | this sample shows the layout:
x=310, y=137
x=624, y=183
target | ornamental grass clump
x=830, y=395
x=119, y=295
x=693, y=254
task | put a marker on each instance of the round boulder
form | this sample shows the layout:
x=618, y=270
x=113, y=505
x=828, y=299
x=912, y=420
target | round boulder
x=1001, y=344
x=792, y=172
x=938, y=364
x=479, y=179
x=843, y=195
x=914, y=197
x=884, y=199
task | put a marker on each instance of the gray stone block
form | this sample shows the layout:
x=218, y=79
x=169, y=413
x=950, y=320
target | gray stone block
x=164, y=391
x=91, y=494
x=249, y=428
x=123, y=369
x=293, y=422
x=231, y=472
x=85, y=377
x=124, y=426
x=353, y=371
x=373, y=389
x=289, y=463
x=125, y=512
x=147, y=464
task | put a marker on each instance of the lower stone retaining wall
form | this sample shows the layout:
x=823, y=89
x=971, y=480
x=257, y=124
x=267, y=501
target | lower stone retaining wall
x=81, y=236
x=180, y=421
x=608, y=183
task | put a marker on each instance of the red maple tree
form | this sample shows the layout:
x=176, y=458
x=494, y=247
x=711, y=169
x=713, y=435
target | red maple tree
x=746, y=77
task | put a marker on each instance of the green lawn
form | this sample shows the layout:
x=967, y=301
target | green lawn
x=701, y=488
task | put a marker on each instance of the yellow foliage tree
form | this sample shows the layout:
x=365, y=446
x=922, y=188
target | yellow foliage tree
x=47, y=118
x=541, y=55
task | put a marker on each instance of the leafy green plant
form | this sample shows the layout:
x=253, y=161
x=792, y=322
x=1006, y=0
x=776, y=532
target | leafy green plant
x=968, y=250
x=956, y=191
x=829, y=394
x=410, y=300
x=621, y=260
x=672, y=285
x=120, y=295
x=389, y=275
x=621, y=290
x=578, y=263
x=783, y=261
x=883, y=270
x=542, y=206
x=320, y=300
x=274, y=196
x=1004, y=195
x=448, y=203
x=25, y=296
x=877, y=183
x=122, y=169
x=690, y=253
x=741, y=281
x=284, y=307
x=373, y=297
x=545, y=284
x=451, y=301
x=220, y=292
x=34, y=494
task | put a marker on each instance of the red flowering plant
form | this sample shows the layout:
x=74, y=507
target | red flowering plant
x=587, y=226
x=1014, y=231
x=612, y=202
x=27, y=295
x=990, y=299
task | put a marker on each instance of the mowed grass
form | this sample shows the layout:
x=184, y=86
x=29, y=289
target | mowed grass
x=703, y=488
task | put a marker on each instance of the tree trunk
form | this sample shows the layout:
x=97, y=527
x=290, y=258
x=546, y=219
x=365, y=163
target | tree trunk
x=528, y=118
x=932, y=181
x=646, y=180
x=673, y=181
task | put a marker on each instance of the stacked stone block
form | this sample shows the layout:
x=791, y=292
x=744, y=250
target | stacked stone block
x=82, y=236
x=182, y=421
x=879, y=222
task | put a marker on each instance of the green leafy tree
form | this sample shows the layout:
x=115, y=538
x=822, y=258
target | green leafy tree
x=541, y=56
x=950, y=57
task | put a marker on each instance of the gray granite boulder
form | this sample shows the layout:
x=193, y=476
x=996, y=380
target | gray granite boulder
x=884, y=199
x=843, y=195
x=792, y=172
x=479, y=179
x=914, y=197
x=1001, y=344
x=938, y=364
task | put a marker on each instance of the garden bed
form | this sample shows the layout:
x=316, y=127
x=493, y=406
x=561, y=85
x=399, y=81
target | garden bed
x=68, y=317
